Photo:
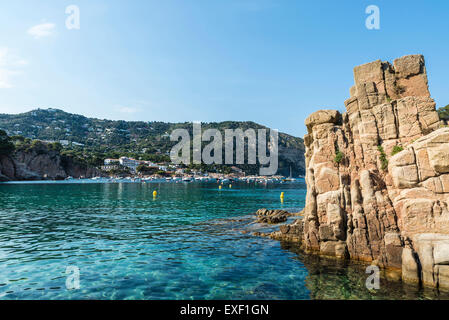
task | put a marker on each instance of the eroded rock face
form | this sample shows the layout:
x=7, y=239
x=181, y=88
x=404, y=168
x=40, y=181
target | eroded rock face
x=33, y=165
x=289, y=232
x=365, y=204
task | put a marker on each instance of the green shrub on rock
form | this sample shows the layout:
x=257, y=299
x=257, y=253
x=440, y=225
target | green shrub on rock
x=338, y=156
x=396, y=150
x=383, y=158
x=443, y=112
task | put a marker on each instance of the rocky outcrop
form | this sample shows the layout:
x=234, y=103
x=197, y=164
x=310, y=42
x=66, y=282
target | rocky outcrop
x=289, y=232
x=41, y=165
x=365, y=203
x=271, y=216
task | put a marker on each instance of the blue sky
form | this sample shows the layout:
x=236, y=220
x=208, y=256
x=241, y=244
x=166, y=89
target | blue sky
x=272, y=62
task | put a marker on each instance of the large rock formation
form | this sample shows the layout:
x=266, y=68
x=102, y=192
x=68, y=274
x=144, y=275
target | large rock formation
x=42, y=165
x=363, y=202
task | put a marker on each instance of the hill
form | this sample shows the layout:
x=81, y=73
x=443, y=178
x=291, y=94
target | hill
x=96, y=139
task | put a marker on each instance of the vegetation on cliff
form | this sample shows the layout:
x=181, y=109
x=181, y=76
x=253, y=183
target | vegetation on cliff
x=27, y=145
x=39, y=159
x=396, y=149
x=6, y=146
x=383, y=158
x=338, y=156
x=443, y=112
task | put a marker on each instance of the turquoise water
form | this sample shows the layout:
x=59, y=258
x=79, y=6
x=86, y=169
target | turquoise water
x=191, y=242
x=129, y=246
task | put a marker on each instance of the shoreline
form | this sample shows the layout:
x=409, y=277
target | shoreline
x=143, y=180
x=288, y=236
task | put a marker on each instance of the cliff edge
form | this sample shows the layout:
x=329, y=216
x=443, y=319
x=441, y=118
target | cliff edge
x=42, y=163
x=378, y=176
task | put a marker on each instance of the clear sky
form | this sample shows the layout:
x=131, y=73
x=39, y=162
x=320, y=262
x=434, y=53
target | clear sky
x=272, y=62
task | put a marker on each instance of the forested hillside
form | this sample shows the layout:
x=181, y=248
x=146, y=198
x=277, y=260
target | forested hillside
x=95, y=139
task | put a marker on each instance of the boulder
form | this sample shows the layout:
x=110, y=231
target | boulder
x=322, y=116
x=271, y=216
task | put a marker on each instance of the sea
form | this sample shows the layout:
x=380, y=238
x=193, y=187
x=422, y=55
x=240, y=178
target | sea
x=109, y=241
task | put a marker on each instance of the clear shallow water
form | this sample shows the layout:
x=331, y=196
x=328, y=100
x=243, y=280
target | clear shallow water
x=186, y=244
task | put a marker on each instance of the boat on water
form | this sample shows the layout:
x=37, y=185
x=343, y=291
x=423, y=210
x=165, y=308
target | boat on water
x=290, y=177
x=190, y=179
x=206, y=179
x=154, y=179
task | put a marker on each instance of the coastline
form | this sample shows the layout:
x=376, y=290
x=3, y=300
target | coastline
x=221, y=179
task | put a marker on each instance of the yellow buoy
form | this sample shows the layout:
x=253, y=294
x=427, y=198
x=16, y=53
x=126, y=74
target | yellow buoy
x=219, y=187
x=282, y=195
x=230, y=186
x=154, y=193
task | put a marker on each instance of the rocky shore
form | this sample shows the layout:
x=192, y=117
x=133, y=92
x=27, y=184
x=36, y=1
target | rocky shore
x=271, y=216
x=378, y=176
x=42, y=164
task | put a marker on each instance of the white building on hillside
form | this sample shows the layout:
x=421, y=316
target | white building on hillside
x=111, y=161
x=129, y=163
